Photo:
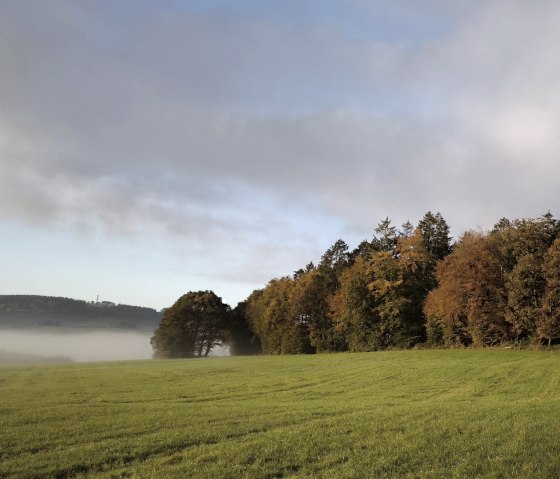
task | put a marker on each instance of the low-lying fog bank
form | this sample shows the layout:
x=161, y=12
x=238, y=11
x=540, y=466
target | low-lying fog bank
x=78, y=344
x=47, y=345
x=7, y=358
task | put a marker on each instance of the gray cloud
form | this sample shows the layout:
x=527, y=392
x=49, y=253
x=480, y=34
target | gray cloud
x=205, y=126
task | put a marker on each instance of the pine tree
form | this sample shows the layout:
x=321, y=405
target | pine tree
x=435, y=231
x=385, y=237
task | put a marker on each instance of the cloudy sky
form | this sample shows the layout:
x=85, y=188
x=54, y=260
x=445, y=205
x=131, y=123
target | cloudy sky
x=149, y=148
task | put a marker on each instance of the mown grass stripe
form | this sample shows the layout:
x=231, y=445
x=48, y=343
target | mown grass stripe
x=462, y=413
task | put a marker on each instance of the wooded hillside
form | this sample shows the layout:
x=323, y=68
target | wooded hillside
x=30, y=311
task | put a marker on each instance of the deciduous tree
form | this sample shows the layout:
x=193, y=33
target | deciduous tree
x=469, y=303
x=191, y=327
x=548, y=325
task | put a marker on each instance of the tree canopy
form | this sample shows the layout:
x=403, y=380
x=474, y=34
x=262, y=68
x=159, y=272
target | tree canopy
x=369, y=298
x=398, y=289
x=192, y=326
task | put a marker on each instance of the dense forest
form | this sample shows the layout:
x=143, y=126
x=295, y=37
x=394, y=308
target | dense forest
x=364, y=299
x=406, y=286
x=24, y=311
x=414, y=285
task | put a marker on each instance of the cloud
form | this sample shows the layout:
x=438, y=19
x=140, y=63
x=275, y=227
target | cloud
x=248, y=127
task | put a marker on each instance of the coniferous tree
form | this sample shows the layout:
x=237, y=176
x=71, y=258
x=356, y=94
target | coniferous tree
x=407, y=229
x=417, y=267
x=364, y=250
x=335, y=259
x=385, y=237
x=435, y=231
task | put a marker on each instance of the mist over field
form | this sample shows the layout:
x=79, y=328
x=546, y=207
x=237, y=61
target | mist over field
x=78, y=344
x=82, y=345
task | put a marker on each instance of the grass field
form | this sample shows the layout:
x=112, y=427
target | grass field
x=415, y=414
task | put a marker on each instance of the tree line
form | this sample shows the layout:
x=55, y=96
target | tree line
x=35, y=310
x=406, y=286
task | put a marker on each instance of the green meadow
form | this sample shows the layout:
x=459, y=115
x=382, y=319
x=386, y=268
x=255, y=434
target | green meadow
x=401, y=414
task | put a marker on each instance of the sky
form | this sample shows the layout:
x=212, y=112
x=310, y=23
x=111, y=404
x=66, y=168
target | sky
x=151, y=148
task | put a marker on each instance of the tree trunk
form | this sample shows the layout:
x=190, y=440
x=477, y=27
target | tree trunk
x=200, y=348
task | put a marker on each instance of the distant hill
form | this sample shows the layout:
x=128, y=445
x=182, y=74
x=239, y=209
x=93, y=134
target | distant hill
x=25, y=311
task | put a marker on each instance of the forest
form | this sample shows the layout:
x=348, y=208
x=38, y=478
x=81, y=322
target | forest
x=405, y=287
x=33, y=310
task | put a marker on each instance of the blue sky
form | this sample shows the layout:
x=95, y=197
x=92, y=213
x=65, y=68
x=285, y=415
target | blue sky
x=151, y=148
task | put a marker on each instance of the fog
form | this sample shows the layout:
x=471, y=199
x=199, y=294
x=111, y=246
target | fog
x=78, y=344
x=82, y=345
